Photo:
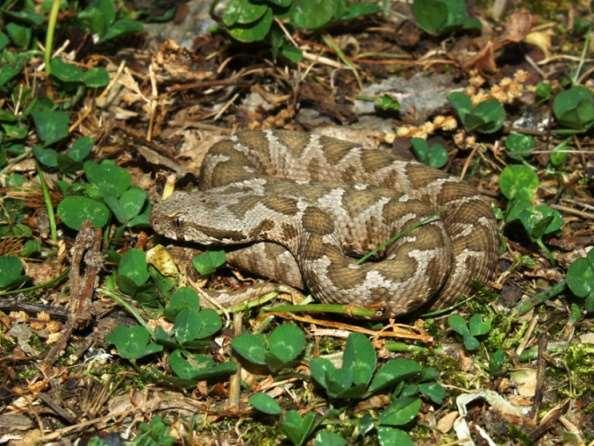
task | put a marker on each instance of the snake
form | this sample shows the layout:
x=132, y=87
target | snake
x=353, y=225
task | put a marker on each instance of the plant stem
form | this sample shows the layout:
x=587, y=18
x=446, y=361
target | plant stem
x=47, y=199
x=350, y=310
x=119, y=299
x=49, y=37
x=576, y=76
x=403, y=347
x=50, y=283
x=406, y=231
x=549, y=293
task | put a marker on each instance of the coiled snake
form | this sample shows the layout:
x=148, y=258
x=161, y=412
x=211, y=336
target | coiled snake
x=303, y=206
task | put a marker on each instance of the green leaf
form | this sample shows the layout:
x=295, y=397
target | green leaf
x=51, y=126
x=155, y=433
x=208, y=262
x=20, y=35
x=192, y=367
x=121, y=28
x=312, y=14
x=291, y=52
x=543, y=91
x=458, y=324
x=386, y=103
x=479, y=324
x=132, y=342
x=359, y=357
x=470, y=342
x=192, y=324
x=340, y=384
x=264, y=403
x=358, y=10
x=10, y=70
x=574, y=108
x=98, y=16
x=461, y=103
x=296, y=427
x=518, y=180
x=26, y=15
x=29, y=248
x=46, y=157
x=320, y=368
x=393, y=371
x=430, y=16
x=80, y=149
x=11, y=271
x=183, y=298
x=65, y=72
x=580, y=276
x=74, y=210
x=3, y=40
x=133, y=266
x=110, y=179
x=243, y=12
x=401, y=412
x=328, y=438
x=519, y=146
x=128, y=205
x=389, y=436
x=434, y=391
x=14, y=132
x=496, y=361
x=95, y=77
x=488, y=117
x=559, y=154
x=544, y=220
x=250, y=347
x=287, y=342
x=253, y=32
x=435, y=155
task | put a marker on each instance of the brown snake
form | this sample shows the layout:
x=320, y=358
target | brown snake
x=305, y=205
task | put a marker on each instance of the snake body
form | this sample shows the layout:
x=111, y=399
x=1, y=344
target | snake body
x=304, y=206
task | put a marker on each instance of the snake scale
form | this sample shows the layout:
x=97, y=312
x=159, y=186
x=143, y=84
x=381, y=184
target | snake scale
x=302, y=207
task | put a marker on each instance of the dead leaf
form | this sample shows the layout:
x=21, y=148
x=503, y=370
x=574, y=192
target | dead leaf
x=541, y=40
x=484, y=60
x=445, y=423
x=518, y=26
x=525, y=380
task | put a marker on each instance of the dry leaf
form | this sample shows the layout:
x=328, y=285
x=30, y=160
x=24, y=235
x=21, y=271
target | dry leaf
x=540, y=39
x=445, y=423
x=518, y=26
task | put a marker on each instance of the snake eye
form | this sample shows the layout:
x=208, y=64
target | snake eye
x=177, y=222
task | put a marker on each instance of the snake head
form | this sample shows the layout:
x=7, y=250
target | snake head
x=195, y=217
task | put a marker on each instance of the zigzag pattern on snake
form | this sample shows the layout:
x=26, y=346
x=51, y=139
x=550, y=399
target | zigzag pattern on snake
x=303, y=206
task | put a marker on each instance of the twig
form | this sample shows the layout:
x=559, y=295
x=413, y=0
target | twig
x=48, y=206
x=235, y=380
x=547, y=422
x=398, y=330
x=468, y=160
x=86, y=250
x=17, y=303
x=573, y=211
